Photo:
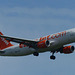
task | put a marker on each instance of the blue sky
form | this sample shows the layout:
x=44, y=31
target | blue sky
x=32, y=19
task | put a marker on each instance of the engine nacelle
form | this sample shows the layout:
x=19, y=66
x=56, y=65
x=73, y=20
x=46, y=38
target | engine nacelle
x=43, y=44
x=67, y=50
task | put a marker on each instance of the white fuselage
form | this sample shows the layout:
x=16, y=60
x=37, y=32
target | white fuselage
x=57, y=41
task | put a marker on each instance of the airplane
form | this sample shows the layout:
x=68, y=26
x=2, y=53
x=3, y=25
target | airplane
x=53, y=43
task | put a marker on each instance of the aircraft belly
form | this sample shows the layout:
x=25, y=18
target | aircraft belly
x=18, y=51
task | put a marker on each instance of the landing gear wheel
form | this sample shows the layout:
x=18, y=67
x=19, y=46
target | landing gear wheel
x=52, y=57
x=36, y=54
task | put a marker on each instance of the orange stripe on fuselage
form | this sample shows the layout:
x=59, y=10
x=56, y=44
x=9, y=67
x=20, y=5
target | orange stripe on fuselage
x=57, y=35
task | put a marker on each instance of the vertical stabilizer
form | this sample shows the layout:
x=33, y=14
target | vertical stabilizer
x=4, y=43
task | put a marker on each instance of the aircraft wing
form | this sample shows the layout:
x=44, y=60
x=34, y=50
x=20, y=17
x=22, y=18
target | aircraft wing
x=30, y=43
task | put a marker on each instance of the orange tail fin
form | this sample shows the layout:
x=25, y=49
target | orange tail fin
x=4, y=43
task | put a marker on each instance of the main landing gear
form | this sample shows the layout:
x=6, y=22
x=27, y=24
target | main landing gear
x=36, y=54
x=52, y=56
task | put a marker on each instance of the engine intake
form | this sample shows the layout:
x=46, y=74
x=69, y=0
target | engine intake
x=43, y=44
x=67, y=50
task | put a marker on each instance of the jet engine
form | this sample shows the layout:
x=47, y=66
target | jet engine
x=67, y=50
x=43, y=44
